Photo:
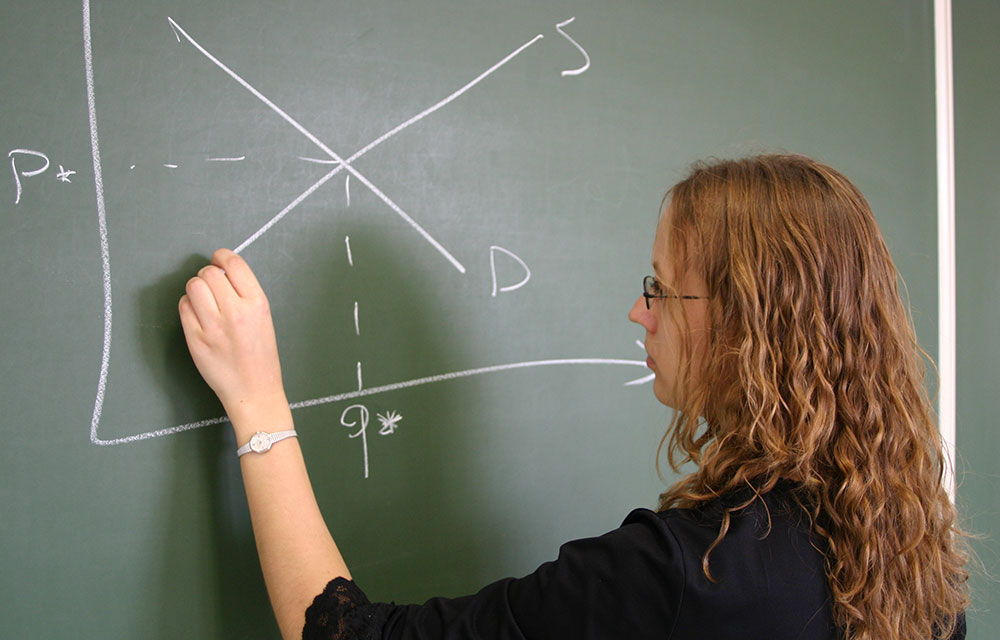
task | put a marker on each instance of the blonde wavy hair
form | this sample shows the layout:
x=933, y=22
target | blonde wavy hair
x=813, y=375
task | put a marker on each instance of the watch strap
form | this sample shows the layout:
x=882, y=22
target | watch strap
x=277, y=436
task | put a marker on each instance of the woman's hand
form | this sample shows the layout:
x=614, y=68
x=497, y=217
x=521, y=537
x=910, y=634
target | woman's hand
x=228, y=327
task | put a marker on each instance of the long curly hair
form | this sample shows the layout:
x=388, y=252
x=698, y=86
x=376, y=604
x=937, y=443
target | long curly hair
x=813, y=375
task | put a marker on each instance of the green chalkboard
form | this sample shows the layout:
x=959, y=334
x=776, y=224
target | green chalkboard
x=450, y=206
x=977, y=225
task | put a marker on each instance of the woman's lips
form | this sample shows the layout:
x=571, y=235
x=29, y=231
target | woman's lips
x=649, y=362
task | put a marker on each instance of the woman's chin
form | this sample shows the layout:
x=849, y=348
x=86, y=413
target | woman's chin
x=662, y=394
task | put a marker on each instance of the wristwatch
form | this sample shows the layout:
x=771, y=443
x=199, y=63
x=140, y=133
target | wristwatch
x=261, y=441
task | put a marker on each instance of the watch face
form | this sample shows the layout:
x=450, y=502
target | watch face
x=259, y=442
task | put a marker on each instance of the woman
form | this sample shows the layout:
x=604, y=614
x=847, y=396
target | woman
x=775, y=329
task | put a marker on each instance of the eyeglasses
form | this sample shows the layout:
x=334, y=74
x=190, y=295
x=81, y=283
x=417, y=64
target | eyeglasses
x=652, y=289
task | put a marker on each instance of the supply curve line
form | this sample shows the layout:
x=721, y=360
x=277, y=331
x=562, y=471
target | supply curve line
x=346, y=164
x=375, y=390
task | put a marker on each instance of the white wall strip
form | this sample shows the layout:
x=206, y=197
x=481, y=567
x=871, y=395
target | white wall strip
x=946, y=233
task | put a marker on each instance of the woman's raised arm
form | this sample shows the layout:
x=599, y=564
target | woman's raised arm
x=228, y=327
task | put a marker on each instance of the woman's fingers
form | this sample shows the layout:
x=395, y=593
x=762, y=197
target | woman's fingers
x=217, y=288
x=189, y=320
x=240, y=276
x=202, y=302
x=229, y=331
x=222, y=289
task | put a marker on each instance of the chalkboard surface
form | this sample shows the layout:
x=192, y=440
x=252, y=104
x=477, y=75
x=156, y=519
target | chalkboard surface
x=450, y=206
x=977, y=103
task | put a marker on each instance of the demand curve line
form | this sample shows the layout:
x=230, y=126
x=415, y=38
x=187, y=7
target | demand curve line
x=257, y=94
x=319, y=143
x=179, y=31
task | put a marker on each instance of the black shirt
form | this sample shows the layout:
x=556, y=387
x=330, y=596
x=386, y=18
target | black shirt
x=642, y=580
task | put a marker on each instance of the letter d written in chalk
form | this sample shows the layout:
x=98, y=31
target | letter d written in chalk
x=493, y=270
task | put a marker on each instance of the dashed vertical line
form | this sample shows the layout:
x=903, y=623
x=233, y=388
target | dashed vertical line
x=359, y=375
x=347, y=242
x=357, y=327
x=347, y=189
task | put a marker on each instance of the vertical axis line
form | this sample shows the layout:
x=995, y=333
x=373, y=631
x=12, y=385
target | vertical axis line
x=102, y=225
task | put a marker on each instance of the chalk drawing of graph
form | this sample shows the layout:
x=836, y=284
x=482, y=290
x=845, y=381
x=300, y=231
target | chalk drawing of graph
x=338, y=165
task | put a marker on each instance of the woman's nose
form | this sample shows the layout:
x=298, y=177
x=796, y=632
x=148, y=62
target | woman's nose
x=642, y=316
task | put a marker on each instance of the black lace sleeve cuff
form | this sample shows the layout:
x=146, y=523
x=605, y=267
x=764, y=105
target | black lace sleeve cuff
x=343, y=612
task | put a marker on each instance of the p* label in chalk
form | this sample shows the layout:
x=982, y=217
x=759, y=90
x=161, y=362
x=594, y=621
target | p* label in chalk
x=20, y=157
